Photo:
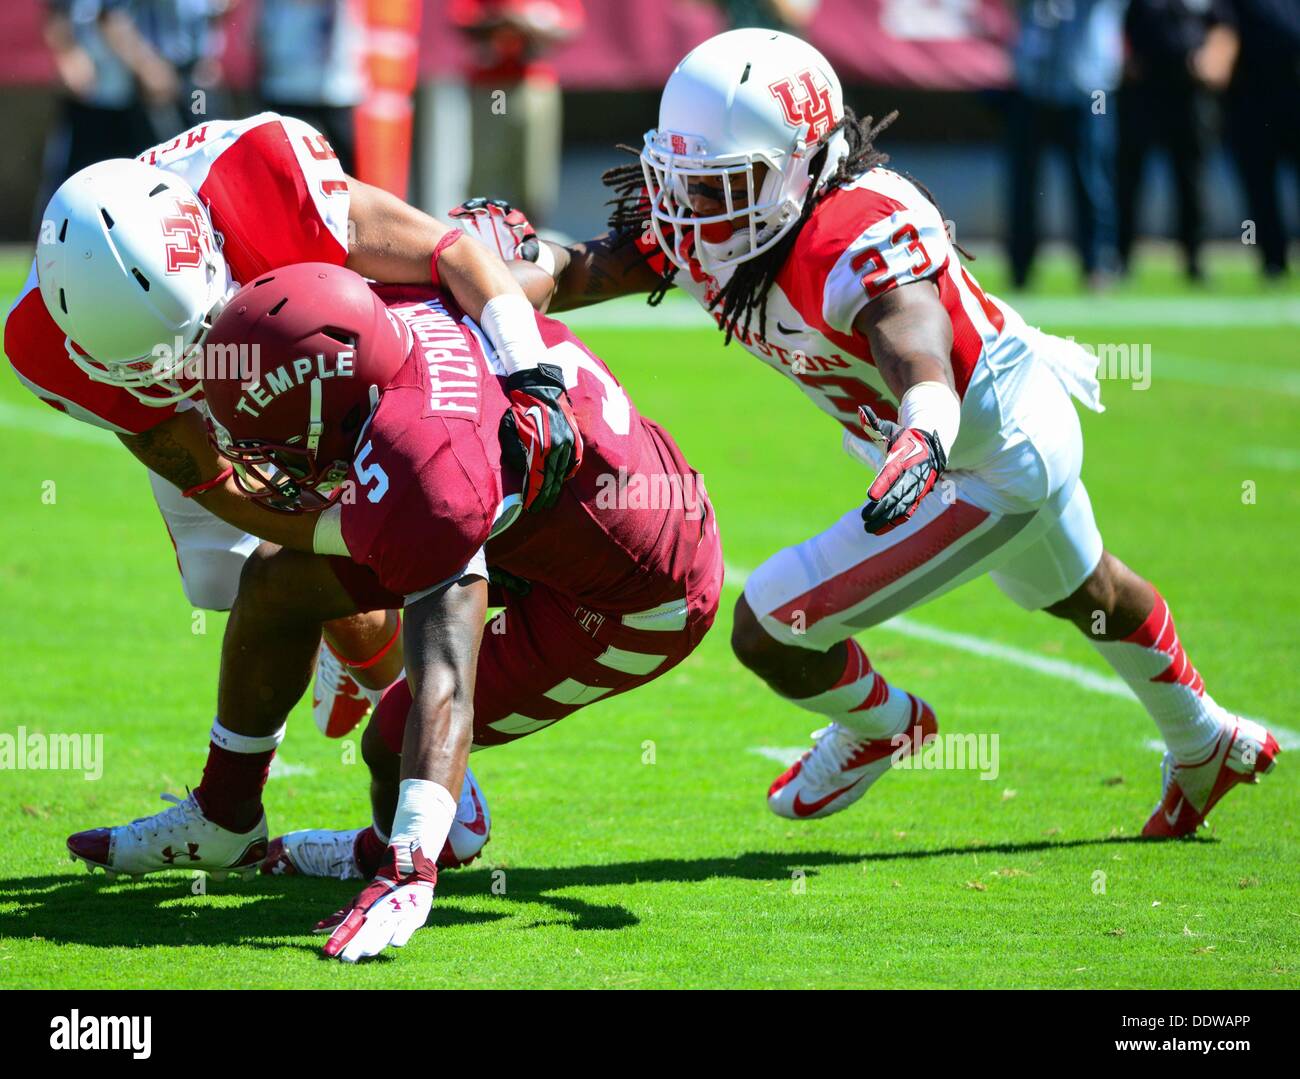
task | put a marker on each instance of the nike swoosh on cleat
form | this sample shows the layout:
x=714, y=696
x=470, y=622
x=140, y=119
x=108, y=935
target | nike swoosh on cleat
x=1171, y=818
x=805, y=809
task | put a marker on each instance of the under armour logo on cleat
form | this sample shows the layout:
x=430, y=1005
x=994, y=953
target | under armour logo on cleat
x=192, y=853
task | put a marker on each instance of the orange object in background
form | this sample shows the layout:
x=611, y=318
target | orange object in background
x=384, y=120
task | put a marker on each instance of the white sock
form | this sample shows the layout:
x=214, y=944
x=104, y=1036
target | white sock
x=1152, y=661
x=425, y=810
x=862, y=700
x=244, y=743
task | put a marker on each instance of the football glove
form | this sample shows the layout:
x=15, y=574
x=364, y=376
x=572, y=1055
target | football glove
x=502, y=228
x=914, y=460
x=392, y=907
x=539, y=434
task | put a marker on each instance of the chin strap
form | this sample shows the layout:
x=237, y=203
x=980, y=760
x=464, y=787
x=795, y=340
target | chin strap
x=315, y=428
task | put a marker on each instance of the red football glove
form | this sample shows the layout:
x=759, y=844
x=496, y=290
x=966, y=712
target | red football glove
x=500, y=226
x=913, y=462
x=539, y=435
x=392, y=907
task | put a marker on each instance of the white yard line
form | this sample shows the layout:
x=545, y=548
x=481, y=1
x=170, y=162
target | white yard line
x=1273, y=457
x=680, y=313
x=282, y=769
x=43, y=420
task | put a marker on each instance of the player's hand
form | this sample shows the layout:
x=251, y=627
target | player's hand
x=392, y=907
x=539, y=434
x=500, y=226
x=914, y=460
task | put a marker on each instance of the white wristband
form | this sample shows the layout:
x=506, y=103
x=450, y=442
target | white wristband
x=425, y=810
x=511, y=325
x=545, y=257
x=932, y=406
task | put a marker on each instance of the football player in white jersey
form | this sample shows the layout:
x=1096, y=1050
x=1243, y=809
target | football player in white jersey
x=134, y=261
x=766, y=200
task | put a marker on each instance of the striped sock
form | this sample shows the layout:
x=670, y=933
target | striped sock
x=1152, y=661
x=862, y=700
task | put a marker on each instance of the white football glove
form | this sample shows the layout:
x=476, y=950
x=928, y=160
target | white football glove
x=390, y=908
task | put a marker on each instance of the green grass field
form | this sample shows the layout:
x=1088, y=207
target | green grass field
x=606, y=871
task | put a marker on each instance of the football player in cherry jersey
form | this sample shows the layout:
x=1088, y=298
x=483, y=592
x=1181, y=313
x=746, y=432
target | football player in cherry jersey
x=766, y=200
x=376, y=416
x=133, y=262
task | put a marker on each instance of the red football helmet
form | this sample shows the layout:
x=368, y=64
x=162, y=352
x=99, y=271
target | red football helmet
x=293, y=368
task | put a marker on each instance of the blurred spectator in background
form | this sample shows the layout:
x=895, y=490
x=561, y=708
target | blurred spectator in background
x=311, y=56
x=516, y=112
x=105, y=70
x=187, y=35
x=791, y=16
x=1180, y=52
x=1067, y=61
x=1264, y=100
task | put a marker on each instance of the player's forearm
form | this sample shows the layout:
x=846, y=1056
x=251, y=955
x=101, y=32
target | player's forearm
x=292, y=530
x=597, y=270
x=438, y=736
x=441, y=637
x=395, y=243
x=441, y=642
x=178, y=450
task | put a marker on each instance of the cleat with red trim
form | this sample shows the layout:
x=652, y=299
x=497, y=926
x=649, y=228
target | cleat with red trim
x=1244, y=752
x=338, y=701
x=344, y=855
x=179, y=837
x=842, y=766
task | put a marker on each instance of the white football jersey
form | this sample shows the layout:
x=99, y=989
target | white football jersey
x=861, y=241
x=276, y=195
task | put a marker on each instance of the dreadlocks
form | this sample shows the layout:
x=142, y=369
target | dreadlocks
x=745, y=294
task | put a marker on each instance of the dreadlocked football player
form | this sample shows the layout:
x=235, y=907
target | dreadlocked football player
x=765, y=199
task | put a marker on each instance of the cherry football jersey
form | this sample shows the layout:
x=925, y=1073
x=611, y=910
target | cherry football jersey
x=433, y=498
x=862, y=241
x=275, y=193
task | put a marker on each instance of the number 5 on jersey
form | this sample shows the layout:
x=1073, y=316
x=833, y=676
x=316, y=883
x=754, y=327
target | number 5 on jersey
x=371, y=473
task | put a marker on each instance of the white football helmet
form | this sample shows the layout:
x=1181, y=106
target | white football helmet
x=131, y=271
x=741, y=98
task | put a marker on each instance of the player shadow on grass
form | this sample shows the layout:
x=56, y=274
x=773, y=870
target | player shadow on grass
x=278, y=912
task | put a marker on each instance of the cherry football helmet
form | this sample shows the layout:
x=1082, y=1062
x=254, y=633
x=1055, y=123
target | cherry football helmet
x=295, y=366
x=741, y=99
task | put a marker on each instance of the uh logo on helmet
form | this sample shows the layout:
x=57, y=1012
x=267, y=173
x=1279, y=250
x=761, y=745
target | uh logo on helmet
x=741, y=120
x=806, y=104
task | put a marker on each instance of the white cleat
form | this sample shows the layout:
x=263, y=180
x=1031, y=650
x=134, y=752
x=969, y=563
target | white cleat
x=315, y=852
x=1244, y=752
x=338, y=701
x=341, y=855
x=179, y=837
x=842, y=766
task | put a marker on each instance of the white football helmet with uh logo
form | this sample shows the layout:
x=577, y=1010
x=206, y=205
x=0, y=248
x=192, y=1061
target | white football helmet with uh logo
x=131, y=272
x=741, y=99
